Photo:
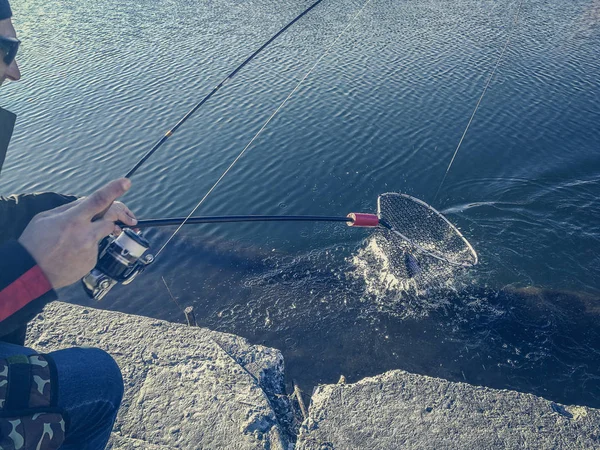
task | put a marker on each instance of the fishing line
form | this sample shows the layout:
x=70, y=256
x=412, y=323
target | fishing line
x=169, y=133
x=172, y=296
x=265, y=125
x=489, y=80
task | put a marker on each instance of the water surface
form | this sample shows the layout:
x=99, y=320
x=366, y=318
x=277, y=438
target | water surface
x=384, y=111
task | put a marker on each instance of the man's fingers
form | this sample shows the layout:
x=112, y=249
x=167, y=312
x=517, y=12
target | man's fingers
x=118, y=212
x=127, y=211
x=102, y=228
x=102, y=199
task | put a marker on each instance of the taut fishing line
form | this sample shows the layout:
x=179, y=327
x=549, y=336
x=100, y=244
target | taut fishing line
x=279, y=108
x=487, y=85
x=390, y=262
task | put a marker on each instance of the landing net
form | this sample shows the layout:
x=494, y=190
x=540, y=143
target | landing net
x=424, y=230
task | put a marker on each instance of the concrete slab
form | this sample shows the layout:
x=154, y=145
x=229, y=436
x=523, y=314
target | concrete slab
x=402, y=410
x=185, y=387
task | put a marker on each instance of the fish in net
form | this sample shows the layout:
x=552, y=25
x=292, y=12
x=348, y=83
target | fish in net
x=416, y=251
x=424, y=230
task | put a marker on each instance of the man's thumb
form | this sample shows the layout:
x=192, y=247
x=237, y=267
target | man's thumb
x=101, y=200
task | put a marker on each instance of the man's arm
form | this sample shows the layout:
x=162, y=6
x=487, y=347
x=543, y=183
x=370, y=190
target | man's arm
x=24, y=288
x=56, y=249
x=17, y=267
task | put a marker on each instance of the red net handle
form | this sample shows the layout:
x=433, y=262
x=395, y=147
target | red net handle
x=363, y=220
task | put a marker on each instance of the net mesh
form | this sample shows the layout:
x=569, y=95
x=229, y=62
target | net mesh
x=401, y=286
x=424, y=231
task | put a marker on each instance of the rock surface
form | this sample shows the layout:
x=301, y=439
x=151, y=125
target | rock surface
x=401, y=410
x=185, y=387
x=191, y=388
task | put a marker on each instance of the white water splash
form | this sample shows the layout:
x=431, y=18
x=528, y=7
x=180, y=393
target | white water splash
x=381, y=265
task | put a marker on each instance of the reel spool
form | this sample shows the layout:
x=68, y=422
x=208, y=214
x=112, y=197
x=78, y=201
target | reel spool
x=120, y=260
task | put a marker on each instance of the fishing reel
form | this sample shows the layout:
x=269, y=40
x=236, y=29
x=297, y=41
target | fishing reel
x=120, y=260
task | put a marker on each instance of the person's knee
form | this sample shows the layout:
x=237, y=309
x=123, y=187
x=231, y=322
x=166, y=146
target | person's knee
x=88, y=375
x=111, y=373
x=90, y=390
x=108, y=369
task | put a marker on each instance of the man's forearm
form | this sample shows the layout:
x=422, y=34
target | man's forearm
x=24, y=289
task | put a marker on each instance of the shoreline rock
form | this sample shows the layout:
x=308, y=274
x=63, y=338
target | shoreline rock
x=185, y=387
x=192, y=388
x=401, y=410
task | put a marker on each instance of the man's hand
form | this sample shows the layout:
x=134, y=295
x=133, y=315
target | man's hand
x=64, y=241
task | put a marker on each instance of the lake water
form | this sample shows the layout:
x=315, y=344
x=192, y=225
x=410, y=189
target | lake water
x=383, y=111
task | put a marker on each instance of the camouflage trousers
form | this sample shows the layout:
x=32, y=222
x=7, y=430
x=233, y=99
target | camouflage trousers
x=67, y=399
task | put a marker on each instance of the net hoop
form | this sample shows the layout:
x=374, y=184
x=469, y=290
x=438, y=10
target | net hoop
x=433, y=254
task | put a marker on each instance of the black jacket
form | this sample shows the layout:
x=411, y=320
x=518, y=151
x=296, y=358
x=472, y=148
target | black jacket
x=24, y=289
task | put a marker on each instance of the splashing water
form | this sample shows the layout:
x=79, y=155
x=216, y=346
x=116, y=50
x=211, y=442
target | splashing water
x=402, y=283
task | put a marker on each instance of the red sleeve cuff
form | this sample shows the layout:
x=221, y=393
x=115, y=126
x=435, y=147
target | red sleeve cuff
x=28, y=287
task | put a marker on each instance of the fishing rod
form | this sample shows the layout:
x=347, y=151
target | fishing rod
x=123, y=258
x=224, y=81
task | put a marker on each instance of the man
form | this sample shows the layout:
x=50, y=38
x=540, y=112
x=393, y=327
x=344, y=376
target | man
x=69, y=398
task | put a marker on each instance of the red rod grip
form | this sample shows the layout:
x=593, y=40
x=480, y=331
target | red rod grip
x=363, y=220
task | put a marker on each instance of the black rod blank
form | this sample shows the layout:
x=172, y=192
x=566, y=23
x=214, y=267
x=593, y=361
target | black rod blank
x=169, y=133
x=147, y=223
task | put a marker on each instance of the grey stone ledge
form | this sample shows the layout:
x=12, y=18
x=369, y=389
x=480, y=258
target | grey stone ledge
x=402, y=410
x=185, y=387
x=192, y=388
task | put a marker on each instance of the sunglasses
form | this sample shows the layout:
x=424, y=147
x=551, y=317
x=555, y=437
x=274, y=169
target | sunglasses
x=9, y=47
